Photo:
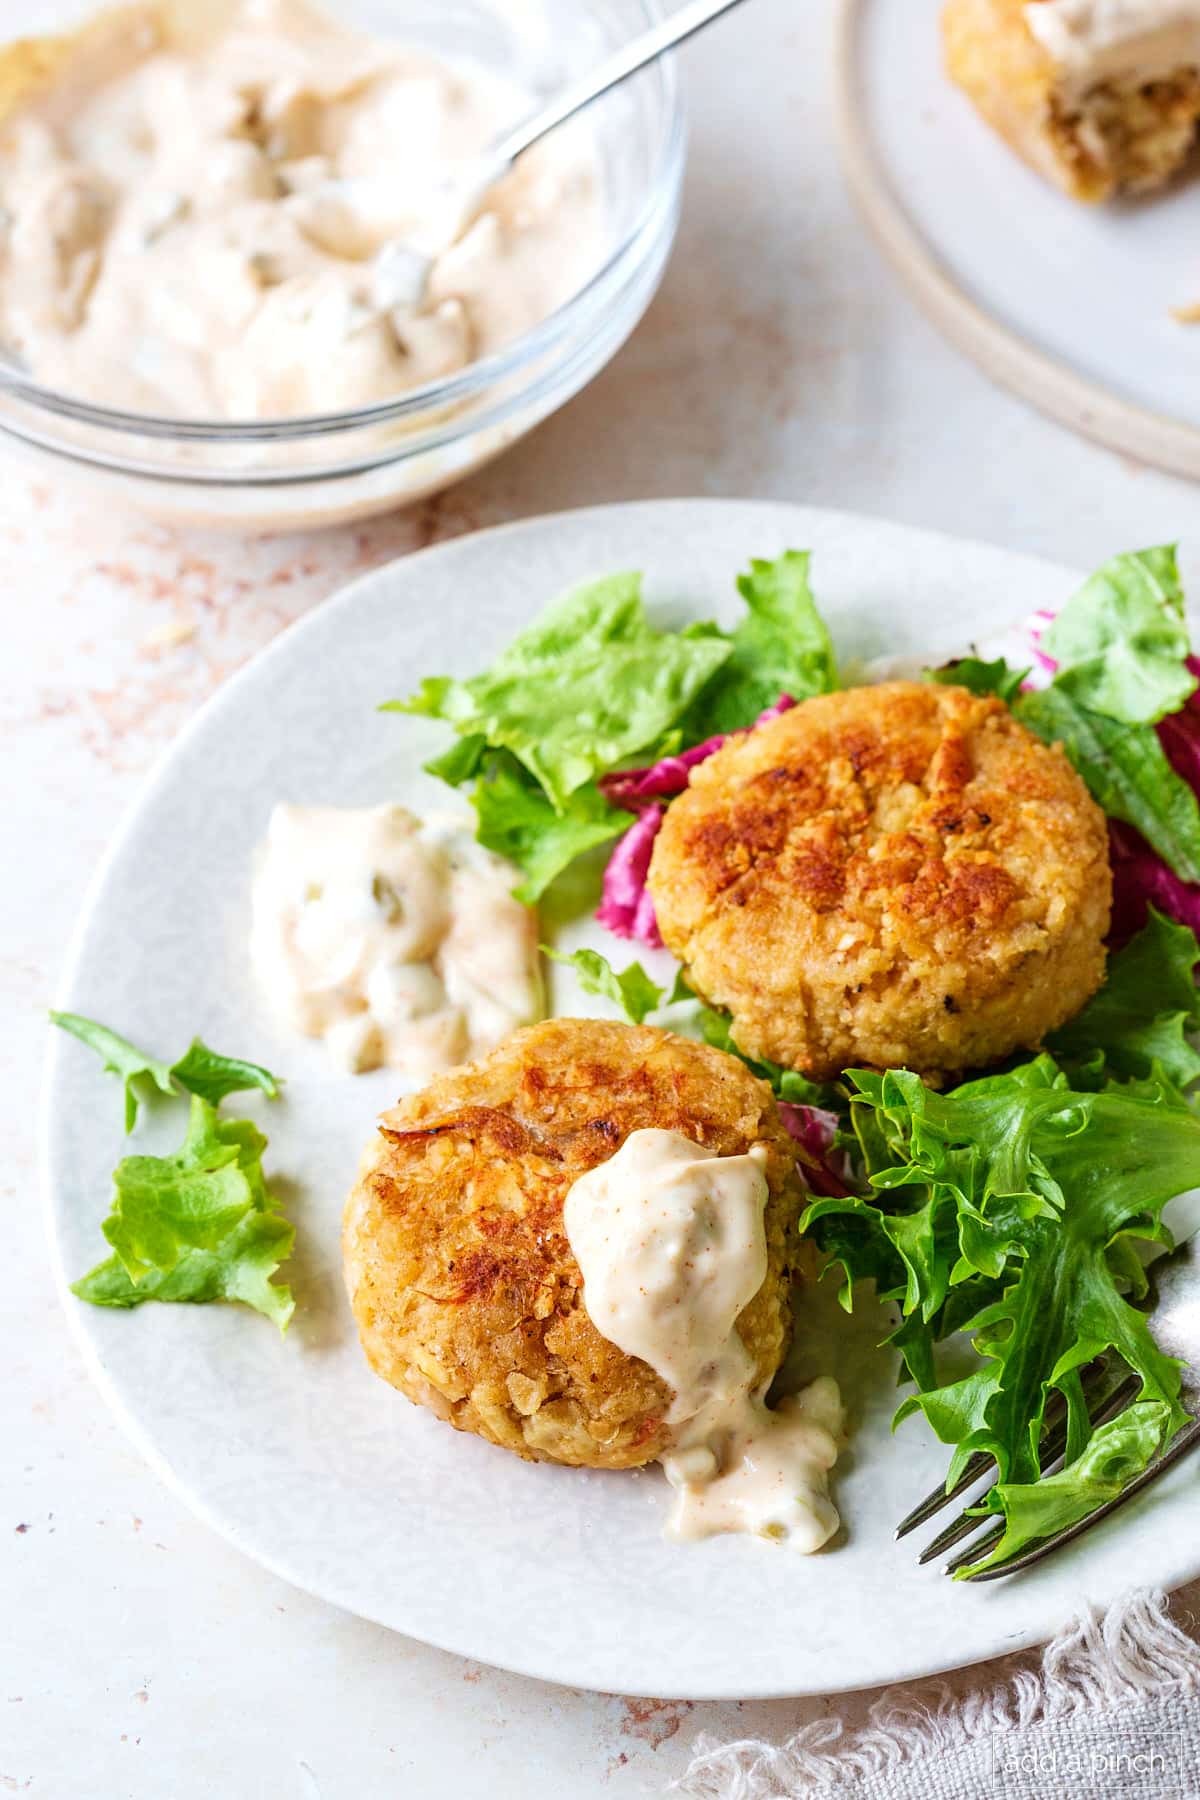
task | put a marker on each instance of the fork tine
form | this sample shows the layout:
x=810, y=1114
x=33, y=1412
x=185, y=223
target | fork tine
x=962, y=1527
x=979, y=1465
x=979, y=1547
x=1051, y=1452
x=1186, y=1441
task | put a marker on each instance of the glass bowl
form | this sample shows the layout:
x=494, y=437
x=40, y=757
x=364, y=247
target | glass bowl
x=322, y=469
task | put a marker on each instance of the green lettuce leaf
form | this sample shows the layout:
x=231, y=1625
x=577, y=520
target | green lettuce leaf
x=1127, y=772
x=632, y=989
x=198, y=1071
x=120, y=1058
x=214, y=1077
x=164, y=1205
x=585, y=686
x=239, y=1268
x=1116, y=1453
x=782, y=646
x=196, y=1225
x=519, y=822
x=1121, y=643
x=1026, y=1193
x=1140, y=1019
x=981, y=677
x=590, y=684
x=461, y=762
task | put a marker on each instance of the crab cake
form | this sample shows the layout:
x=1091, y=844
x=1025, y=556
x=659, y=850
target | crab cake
x=1101, y=101
x=896, y=876
x=466, y=1292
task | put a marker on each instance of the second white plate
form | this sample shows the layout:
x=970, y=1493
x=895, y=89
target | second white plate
x=292, y=1448
x=1069, y=305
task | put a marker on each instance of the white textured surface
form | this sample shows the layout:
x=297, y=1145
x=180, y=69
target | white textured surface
x=140, y=1655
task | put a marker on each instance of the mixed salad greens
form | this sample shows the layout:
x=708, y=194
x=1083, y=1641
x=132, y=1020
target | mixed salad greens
x=1016, y=1211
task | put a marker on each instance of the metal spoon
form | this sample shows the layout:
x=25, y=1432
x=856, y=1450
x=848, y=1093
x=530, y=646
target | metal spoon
x=408, y=263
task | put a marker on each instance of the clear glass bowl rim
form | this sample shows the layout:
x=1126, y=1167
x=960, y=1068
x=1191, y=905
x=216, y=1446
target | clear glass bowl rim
x=477, y=378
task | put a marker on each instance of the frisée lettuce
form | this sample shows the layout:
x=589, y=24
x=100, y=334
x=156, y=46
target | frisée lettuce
x=1023, y=1195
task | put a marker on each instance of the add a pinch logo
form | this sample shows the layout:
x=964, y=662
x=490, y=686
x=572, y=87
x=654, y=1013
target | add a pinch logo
x=1066, y=1758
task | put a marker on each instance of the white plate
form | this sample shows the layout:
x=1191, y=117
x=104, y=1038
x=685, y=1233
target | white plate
x=292, y=1448
x=1068, y=304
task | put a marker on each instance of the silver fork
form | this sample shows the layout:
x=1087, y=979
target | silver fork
x=1172, y=1306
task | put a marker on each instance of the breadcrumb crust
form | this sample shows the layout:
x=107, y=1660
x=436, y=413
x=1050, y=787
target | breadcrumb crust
x=463, y=1284
x=891, y=876
x=1120, y=137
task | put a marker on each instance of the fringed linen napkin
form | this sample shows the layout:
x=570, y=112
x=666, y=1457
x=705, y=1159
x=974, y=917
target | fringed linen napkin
x=1113, y=1713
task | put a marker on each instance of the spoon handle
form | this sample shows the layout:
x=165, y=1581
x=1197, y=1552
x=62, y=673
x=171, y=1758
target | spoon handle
x=626, y=61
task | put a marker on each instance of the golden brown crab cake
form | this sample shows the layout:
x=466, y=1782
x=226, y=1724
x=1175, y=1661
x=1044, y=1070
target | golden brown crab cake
x=1127, y=126
x=895, y=876
x=464, y=1287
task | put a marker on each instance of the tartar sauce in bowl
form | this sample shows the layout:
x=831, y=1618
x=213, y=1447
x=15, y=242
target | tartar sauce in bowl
x=670, y=1241
x=216, y=219
x=397, y=940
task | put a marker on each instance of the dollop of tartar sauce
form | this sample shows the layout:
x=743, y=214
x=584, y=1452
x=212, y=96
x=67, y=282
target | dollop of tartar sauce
x=1133, y=41
x=396, y=940
x=670, y=1240
x=211, y=212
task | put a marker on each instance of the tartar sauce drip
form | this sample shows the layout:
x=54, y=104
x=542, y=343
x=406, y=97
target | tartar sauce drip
x=210, y=212
x=396, y=940
x=1128, y=41
x=670, y=1240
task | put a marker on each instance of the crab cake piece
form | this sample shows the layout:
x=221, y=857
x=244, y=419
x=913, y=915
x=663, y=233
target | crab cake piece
x=897, y=876
x=464, y=1287
x=1100, y=100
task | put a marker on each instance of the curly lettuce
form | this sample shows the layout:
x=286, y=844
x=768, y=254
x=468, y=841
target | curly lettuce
x=586, y=685
x=199, y=1224
x=517, y=821
x=1114, y=1455
x=547, y=733
x=782, y=646
x=1007, y=1209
